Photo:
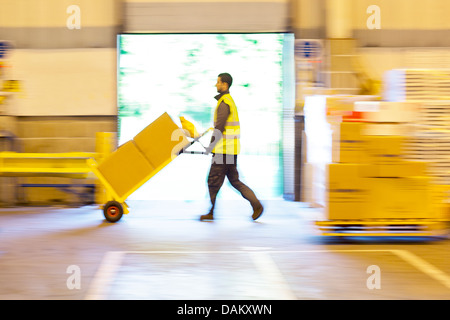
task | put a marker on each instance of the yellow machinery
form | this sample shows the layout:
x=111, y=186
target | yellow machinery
x=72, y=164
x=120, y=172
x=68, y=165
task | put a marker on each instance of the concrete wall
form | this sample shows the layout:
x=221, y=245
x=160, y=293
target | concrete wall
x=404, y=23
x=67, y=70
x=42, y=24
x=67, y=82
x=205, y=16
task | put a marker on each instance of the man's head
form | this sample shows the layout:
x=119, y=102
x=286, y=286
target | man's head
x=224, y=81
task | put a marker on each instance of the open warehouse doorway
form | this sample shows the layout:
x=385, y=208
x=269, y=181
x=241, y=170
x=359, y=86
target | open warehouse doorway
x=176, y=73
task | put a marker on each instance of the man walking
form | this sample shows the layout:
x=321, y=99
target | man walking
x=225, y=147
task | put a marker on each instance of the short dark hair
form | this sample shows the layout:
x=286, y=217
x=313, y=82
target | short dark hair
x=226, y=77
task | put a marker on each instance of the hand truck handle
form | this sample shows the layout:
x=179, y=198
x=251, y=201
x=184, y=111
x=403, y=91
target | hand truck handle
x=192, y=152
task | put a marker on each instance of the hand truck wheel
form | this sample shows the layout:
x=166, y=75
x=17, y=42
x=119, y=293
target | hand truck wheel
x=113, y=211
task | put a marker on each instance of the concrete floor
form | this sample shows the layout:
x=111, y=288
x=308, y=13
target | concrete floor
x=161, y=251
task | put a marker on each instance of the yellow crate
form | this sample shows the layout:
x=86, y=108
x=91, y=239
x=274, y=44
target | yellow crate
x=400, y=169
x=346, y=204
x=379, y=191
x=160, y=141
x=125, y=169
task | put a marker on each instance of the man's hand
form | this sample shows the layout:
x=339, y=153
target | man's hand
x=208, y=149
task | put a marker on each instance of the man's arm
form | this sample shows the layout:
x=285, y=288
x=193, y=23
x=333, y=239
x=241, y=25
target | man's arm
x=222, y=115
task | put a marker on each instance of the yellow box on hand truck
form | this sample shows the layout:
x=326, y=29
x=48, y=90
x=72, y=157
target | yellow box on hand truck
x=138, y=160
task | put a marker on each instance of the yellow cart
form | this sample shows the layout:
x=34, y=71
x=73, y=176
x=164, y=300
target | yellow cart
x=135, y=162
x=433, y=223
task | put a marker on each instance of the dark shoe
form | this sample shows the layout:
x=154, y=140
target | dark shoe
x=257, y=212
x=208, y=216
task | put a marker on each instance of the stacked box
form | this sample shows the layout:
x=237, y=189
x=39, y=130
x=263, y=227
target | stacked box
x=161, y=141
x=347, y=143
x=347, y=190
x=370, y=178
x=401, y=169
x=132, y=163
x=374, y=136
x=387, y=111
x=383, y=149
x=430, y=88
x=400, y=198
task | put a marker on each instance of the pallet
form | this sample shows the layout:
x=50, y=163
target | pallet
x=383, y=227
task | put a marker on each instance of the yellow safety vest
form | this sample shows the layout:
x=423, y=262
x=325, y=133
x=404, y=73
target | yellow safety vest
x=230, y=142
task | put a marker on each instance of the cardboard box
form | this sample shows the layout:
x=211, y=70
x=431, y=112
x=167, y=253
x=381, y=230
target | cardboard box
x=347, y=152
x=399, y=198
x=125, y=168
x=348, y=143
x=346, y=205
x=160, y=141
x=345, y=176
x=347, y=192
x=400, y=169
x=387, y=111
x=352, y=192
x=384, y=149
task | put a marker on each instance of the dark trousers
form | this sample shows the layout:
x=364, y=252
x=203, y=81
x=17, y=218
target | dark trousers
x=226, y=166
